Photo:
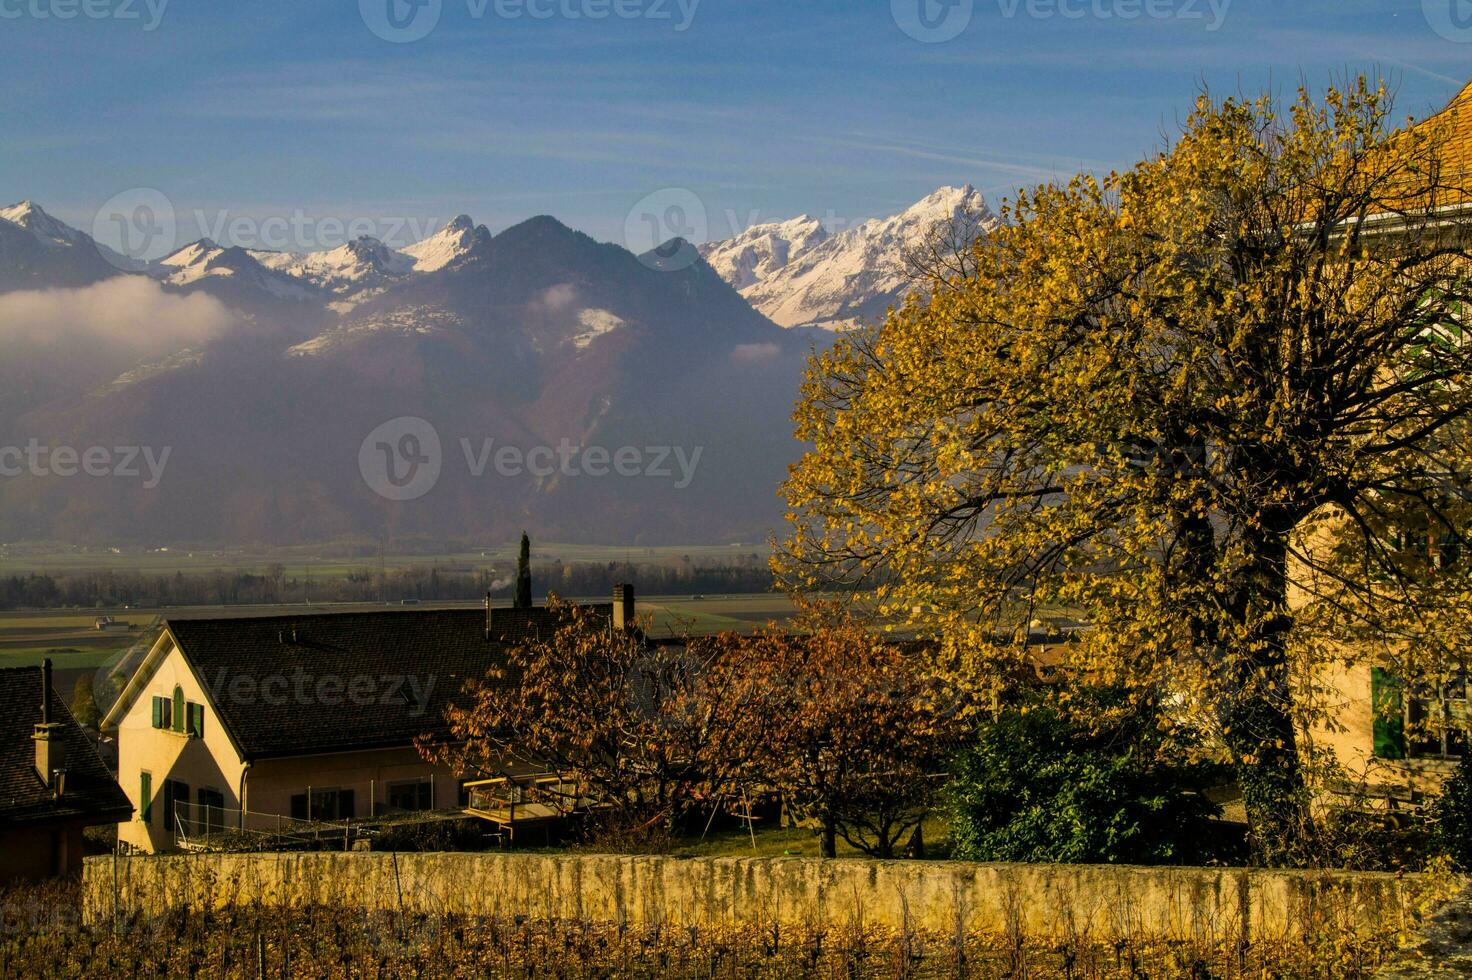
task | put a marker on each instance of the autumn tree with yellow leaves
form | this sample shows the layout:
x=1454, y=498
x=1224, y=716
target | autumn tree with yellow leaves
x=1142, y=400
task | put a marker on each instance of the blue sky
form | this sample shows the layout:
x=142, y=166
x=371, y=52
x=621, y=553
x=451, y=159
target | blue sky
x=761, y=109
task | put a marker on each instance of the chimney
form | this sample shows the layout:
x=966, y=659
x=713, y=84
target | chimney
x=49, y=736
x=623, y=607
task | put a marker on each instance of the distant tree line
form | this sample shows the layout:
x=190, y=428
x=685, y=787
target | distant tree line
x=272, y=585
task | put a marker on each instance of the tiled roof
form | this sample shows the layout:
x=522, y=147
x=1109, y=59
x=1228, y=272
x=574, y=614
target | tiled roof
x=296, y=685
x=529, y=625
x=91, y=792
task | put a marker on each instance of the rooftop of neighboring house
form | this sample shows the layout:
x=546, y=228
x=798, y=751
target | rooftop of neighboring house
x=89, y=792
x=285, y=686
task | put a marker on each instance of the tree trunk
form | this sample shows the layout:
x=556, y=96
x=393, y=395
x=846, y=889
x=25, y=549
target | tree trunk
x=830, y=834
x=1260, y=726
x=916, y=847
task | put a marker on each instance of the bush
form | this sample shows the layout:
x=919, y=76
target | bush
x=1451, y=817
x=1038, y=787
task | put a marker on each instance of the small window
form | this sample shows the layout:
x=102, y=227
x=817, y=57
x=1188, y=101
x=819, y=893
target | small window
x=163, y=713
x=196, y=720
x=327, y=804
x=409, y=796
x=180, y=710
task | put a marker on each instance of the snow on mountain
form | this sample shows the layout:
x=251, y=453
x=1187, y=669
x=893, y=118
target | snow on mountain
x=799, y=274
x=439, y=250
x=405, y=321
x=594, y=323
x=361, y=263
x=763, y=250
x=202, y=261
x=364, y=267
x=55, y=235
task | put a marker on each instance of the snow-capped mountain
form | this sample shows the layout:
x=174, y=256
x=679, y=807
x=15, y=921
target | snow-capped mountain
x=208, y=265
x=57, y=235
x=364, y=267
x=37, y=251
x=799, y=274
x=450, y=244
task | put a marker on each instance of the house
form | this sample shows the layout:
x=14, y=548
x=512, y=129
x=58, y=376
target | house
x=252, y=722
x=53, y=784
x=1397, y=743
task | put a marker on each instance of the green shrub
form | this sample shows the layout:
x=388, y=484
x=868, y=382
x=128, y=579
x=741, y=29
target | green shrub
x=1038, y=787
x=1451, y=817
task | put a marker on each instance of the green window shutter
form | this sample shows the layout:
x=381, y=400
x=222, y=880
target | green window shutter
x=179, y=709
x=1389, y=708
x=158, y=712
x=196, y=720
x=145, y=797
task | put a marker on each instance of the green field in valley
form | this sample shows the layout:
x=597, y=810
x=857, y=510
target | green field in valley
x=71, y=639
x=328, y=561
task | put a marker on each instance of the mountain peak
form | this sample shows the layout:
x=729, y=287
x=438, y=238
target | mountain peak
x=445, y=246
x=799, y=274
x=17, y=212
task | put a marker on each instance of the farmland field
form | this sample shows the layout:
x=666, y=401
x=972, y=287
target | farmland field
x=329, y=561
x=71, y=639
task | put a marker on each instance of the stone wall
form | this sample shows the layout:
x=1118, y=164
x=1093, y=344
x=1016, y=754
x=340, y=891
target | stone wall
x=934, y=897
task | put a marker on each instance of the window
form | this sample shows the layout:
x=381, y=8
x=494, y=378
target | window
x=1437, y=719
x=175, y=794
x=178, y=715
x=327, y=804
x=179, y=709
x=409, y=796
x=145, y=796
x=163, y=712
x=196, y=720
x=211, y=816
x=1420, y=721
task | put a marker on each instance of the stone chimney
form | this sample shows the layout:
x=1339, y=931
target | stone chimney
x=623, y=607
x=49, y=738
